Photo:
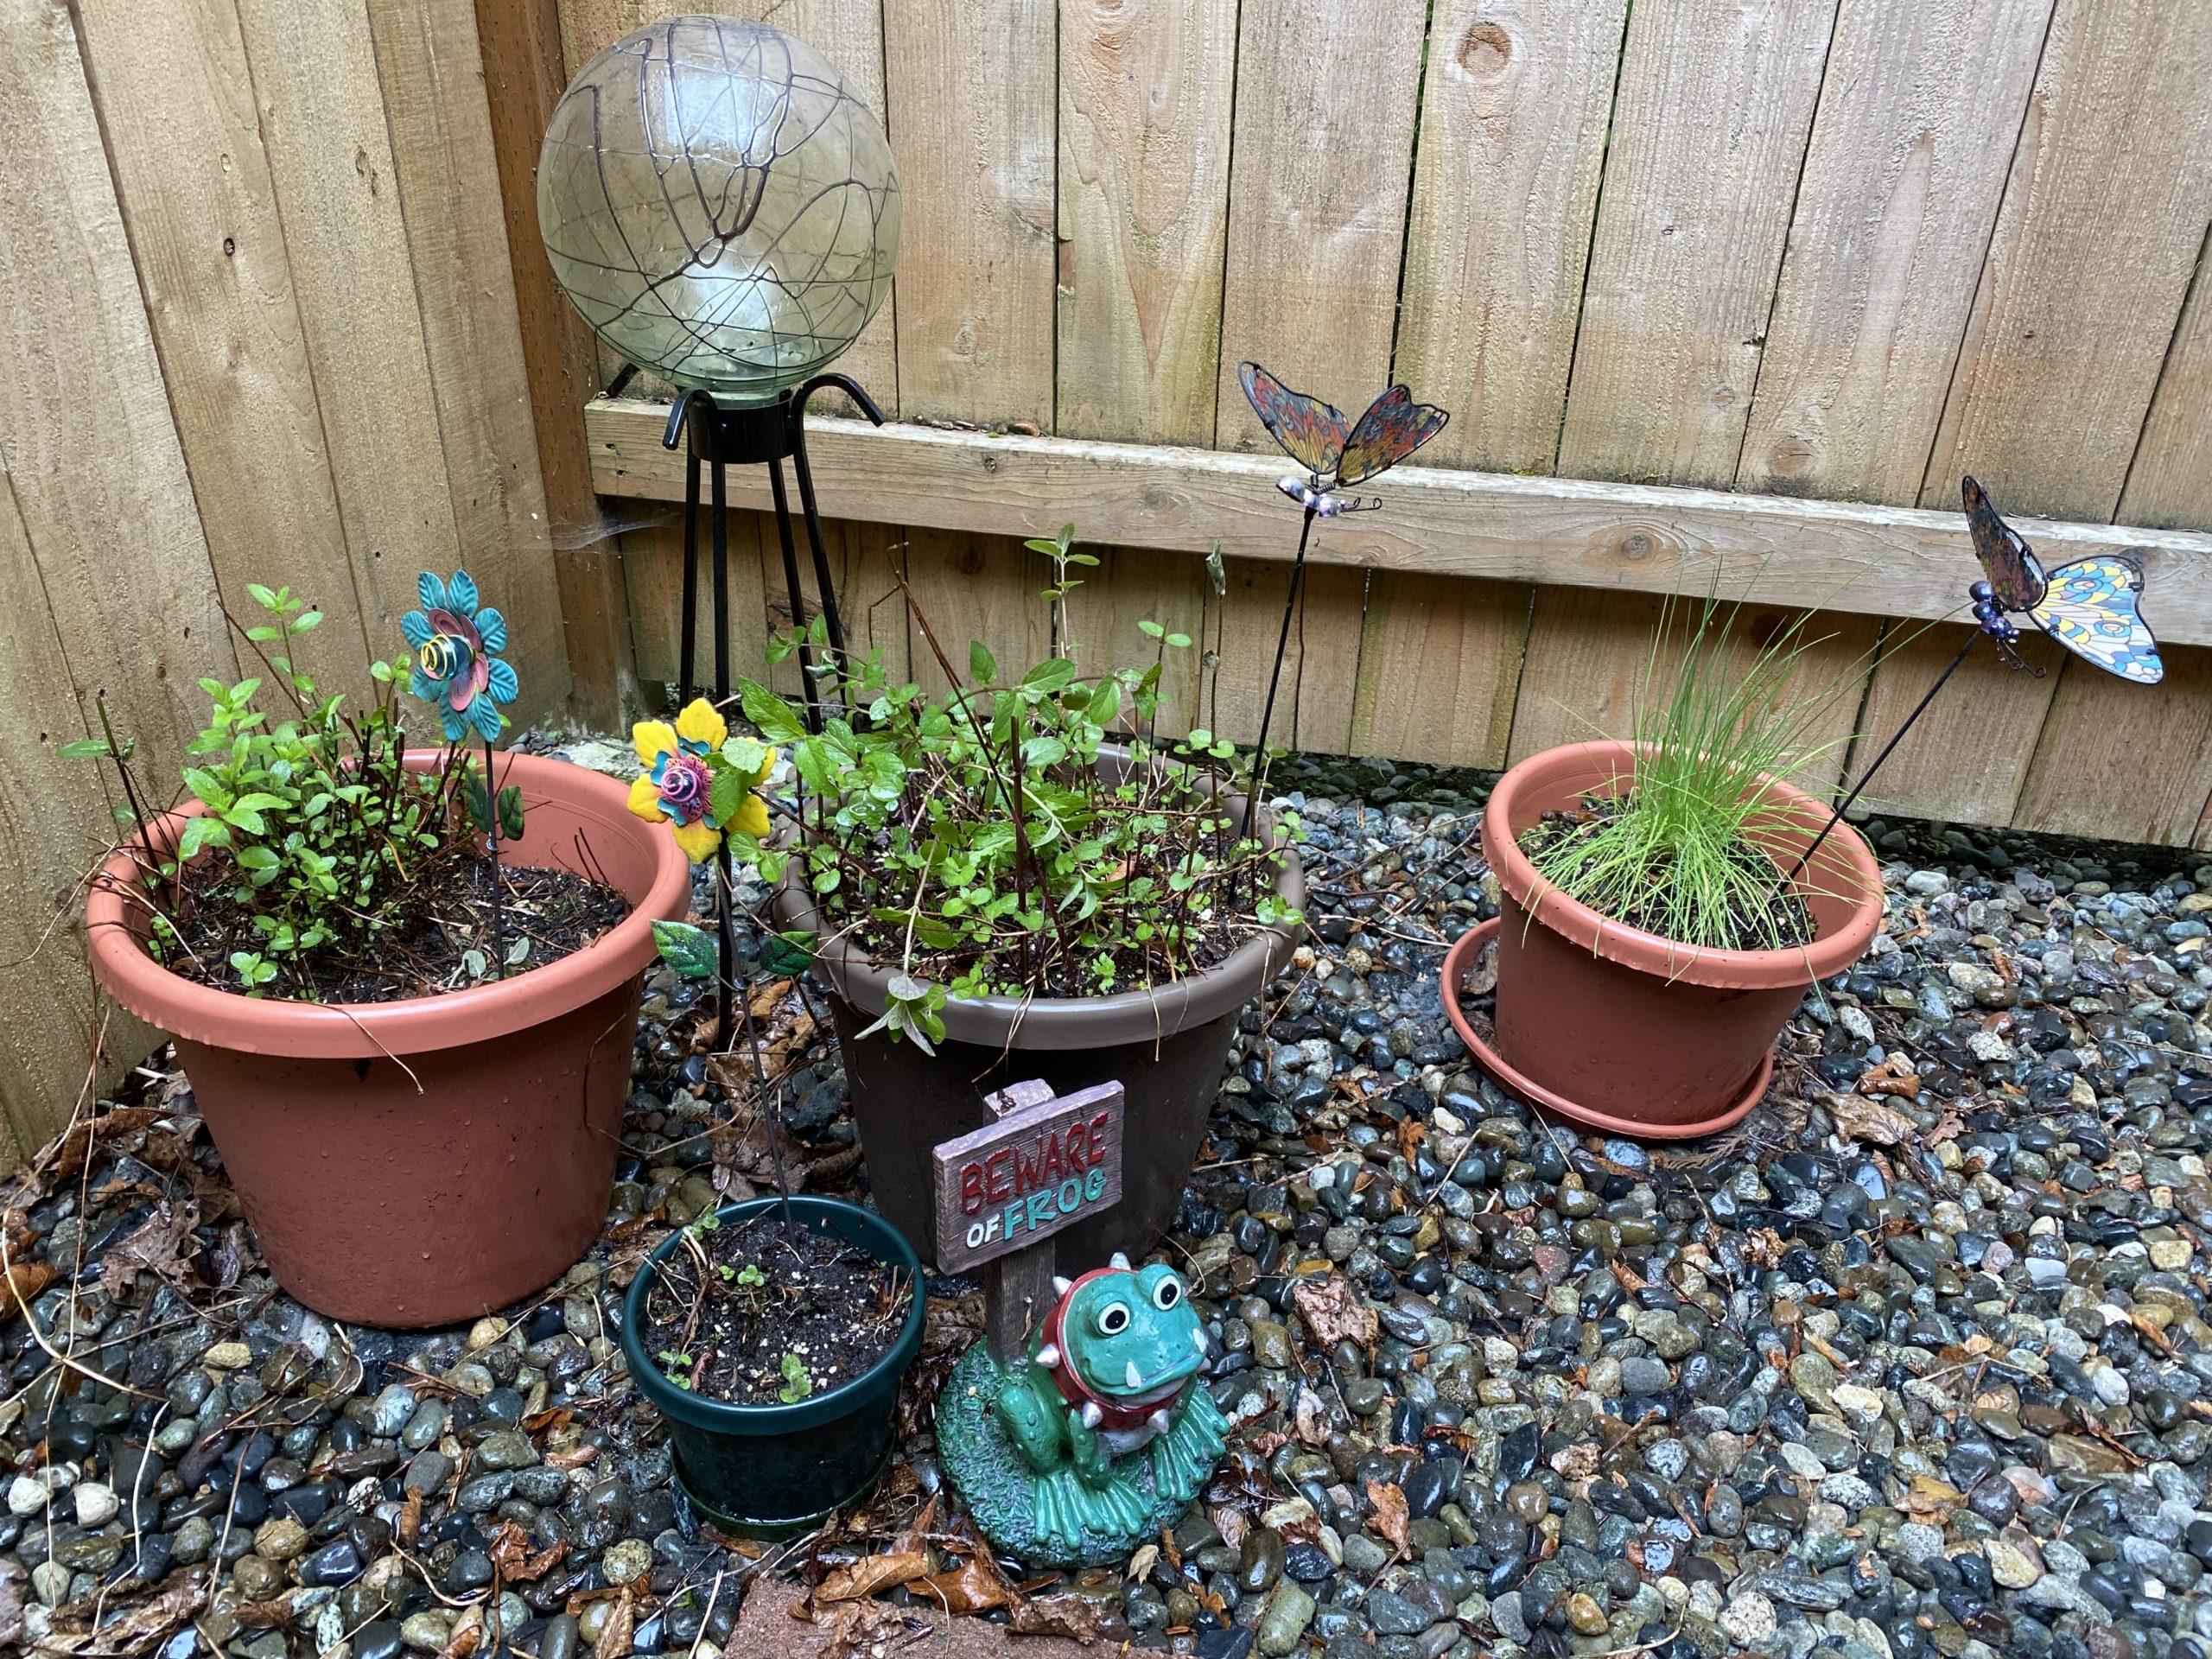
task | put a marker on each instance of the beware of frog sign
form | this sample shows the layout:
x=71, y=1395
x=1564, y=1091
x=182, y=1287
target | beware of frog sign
x=1048, y=1162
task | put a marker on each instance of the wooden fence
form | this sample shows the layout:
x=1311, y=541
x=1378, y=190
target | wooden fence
x=1770, y=274
x=257, y=324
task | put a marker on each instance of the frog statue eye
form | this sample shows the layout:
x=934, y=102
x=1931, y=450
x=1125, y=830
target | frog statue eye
x=1167, y=1294
x=1114, y=1318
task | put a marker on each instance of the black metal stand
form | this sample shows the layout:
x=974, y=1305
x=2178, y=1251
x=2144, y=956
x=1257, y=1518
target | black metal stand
x=765, y=434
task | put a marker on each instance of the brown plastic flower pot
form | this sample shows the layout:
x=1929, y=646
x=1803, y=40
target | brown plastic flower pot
x=419, y=1162
x=1165, y=1046
x=1624, y=1030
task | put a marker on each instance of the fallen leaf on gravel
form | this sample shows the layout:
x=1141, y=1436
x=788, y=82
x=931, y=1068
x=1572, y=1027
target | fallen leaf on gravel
x=24, y=1281
x=614, y=1635
x=1894, y=1075
x=517, y=1563
x=864, y=1578
x=158, y=1245
x=1333, y=1312
x=13, y=1578
x=1065, y=1614
x=969, y=1587
x=138, y=1631
x=1859, y=1118
x=1391, y=1517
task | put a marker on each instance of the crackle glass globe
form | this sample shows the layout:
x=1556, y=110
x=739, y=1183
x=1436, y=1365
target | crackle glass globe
x=718, y=204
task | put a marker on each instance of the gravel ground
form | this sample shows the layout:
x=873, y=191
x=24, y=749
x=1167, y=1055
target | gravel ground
x=1913, y=1361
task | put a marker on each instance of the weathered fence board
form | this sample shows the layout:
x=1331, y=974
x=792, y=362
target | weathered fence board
x=1513, y=113
x=1815, y=555
x=2103, y=218
x=1317, y=200
x=1145, y=92
x=971, y=102
x=1900, y=189
x=1709, y=129
x=177, y=101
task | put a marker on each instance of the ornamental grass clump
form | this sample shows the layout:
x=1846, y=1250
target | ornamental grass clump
x=985, y=842
x=322, y=866
x=1679, y=848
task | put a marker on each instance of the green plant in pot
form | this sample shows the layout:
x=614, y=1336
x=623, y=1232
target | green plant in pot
x=772, y=1336
x=999, y=888
x=1656, y=925
x=403, y=980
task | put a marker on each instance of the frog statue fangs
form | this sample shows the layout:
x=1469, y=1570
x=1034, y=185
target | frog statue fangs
x=1083, y=1448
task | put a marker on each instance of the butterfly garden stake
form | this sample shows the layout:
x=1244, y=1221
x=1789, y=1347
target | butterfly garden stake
x=1336, y=455
x=2092, y=607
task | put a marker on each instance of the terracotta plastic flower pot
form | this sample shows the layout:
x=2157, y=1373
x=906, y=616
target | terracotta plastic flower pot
x=773, y=1471
x=1165, y=1046
x=1628, y=1031
x=417, y=1162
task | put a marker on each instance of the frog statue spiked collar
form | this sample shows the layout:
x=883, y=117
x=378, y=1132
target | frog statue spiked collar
x=1114, y=1413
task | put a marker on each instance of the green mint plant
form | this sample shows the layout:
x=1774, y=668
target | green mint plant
x=317, y=843
x=972, y=841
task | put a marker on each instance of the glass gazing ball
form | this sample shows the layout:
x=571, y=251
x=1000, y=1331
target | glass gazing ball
x=719, y=205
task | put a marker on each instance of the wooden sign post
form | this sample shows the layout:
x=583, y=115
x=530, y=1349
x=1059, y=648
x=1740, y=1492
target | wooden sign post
x=1004, y=1190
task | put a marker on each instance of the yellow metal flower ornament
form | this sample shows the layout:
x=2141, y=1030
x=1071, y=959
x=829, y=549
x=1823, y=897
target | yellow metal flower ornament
x=700, y=779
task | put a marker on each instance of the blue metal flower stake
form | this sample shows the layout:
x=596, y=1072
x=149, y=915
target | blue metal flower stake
x=458, y=670
x=2092, y=607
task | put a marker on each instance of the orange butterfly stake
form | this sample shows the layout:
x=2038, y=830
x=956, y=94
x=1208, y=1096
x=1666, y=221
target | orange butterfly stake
x=1335, y=452
x=1336, y=455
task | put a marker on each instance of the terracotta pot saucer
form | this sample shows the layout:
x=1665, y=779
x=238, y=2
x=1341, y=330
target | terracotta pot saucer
x=1457, y=959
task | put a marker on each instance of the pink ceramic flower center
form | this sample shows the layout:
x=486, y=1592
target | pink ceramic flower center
x=683, y=785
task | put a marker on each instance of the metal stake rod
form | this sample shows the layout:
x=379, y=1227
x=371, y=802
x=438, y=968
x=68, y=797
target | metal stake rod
x=1868, y=776
x=1274, y=679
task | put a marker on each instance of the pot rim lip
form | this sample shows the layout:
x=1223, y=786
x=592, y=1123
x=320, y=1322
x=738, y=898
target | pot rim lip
x=725, y=1417
x=1845, y=853
x=1062, y=1022
x=356, y=1031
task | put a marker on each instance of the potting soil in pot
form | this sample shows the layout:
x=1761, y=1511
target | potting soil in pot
x=759, y=1315
x=545, y=915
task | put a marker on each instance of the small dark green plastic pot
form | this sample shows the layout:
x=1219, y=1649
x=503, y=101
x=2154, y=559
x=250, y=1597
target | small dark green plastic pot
x=774, y=1471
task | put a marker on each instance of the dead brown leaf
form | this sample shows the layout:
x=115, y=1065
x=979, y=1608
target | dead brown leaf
x=24, y=1281
x=971, y=1587
x=265, y=1615
x=159, y=1245
x=516, y=1562
x=750, y=1150
x=410, y=1517
x=1333, y=1313
x=614, y=1635
x=466, y=1640
x=1859, y=1118
x=1392, y=1519
x=138, y=1631
x=1894, y=1075
x=1065, y=1614
x=863, y=1630
x=866, y=1577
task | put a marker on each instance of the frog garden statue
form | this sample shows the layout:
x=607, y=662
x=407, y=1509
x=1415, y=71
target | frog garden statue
x=1083, y=1447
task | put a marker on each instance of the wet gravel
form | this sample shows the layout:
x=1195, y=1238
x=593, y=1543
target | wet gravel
x=1913, y=1362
